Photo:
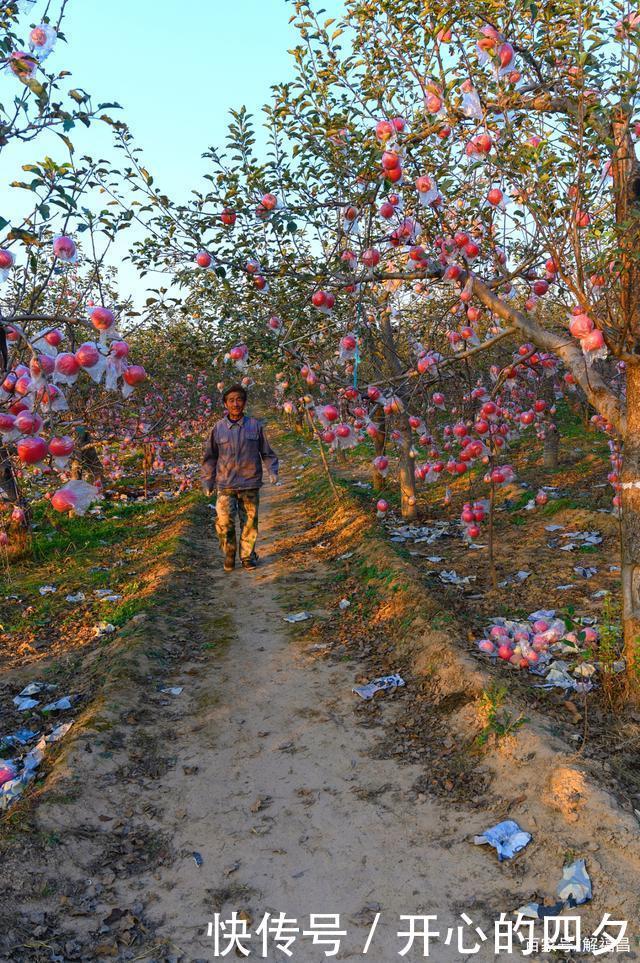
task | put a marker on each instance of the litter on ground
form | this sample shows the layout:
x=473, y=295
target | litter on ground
x=452, y=578
x=574, y=889
x=514, y=579
x=426, y=534
x=506, y=838
x=536, y=643
x=22, y=704
x=78, y=597
x=59, y=706
x=25, y=769
x=585, y=571
x=384, y=683
x=103, y=628
x=297, y=617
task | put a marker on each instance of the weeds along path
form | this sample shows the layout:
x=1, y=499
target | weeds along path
x=266, y=767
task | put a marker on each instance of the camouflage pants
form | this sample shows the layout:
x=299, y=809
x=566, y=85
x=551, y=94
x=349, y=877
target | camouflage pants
x=245, y=505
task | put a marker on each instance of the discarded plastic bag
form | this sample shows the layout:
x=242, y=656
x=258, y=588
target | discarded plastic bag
x=64, y=703
x=575, y=885
x=13, y=788
x=514, y=579
x=297, y=617
x=384, y=683
x=558, y=675
x=103, y=628
x=20, y=737
x=22, y=704
x=506, y=838
x=78, y=597
x=452, y=578
x=573, y=889
x=34, y=687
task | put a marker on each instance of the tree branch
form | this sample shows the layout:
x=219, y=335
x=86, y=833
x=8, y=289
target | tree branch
x=594, y=387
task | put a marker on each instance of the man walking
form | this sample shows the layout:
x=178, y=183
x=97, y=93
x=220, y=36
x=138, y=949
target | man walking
x=232, y=464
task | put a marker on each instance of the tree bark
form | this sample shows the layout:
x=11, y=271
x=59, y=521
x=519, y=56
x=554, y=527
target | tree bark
x=408, y=502
x=7, y=478
x=631, y=530
x=406, y=468
x=493, y=578
x=626, y=188
x=626, y=185
x=147, y=466
x=595, y=388
x=380, y=442
x=86, y=459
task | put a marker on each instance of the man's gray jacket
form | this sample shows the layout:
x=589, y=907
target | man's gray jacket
x=234, y=455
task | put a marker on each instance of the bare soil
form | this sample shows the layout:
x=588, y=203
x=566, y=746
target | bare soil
x=296, y=796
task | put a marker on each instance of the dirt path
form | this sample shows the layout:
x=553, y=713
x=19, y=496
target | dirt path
x=263, y=766
x=287, y=808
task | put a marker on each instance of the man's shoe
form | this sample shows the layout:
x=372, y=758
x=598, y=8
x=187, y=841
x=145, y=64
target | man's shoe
x=249, y=562
x=230, y=561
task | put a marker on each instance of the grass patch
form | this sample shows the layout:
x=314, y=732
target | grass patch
x=86, y=554
x=556, y=505
x=499, y=722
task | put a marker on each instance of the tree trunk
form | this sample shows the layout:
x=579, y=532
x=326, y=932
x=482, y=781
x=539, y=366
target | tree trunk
x=8, y=482
x=407, y=467
x=493, y=578
x=86, y=459
x=631, y=529
x=147, y=466
x=626, y=185
x=551, y=445
x=379, y=442
x=407, y=471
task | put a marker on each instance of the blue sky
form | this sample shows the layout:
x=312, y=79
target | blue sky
x=176, y=68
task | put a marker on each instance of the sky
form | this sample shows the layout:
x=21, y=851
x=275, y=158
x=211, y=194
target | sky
x=176, y=69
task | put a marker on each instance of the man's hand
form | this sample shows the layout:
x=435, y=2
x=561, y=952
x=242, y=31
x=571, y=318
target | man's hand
x=273, y=478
